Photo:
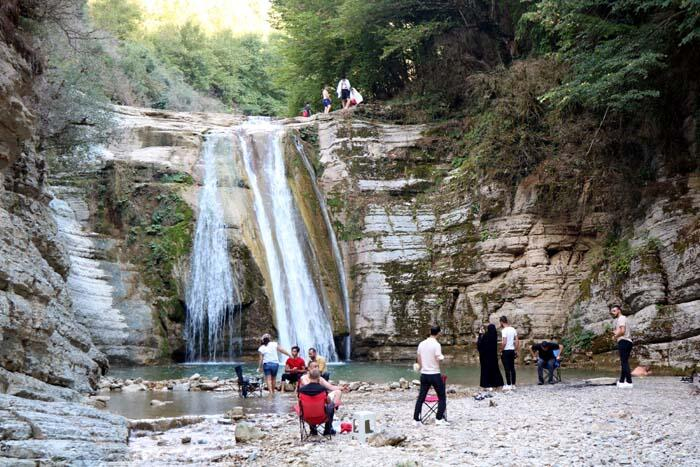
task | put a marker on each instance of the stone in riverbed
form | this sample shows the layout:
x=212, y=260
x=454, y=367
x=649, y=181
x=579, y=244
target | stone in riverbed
x=354, y=386
x=209, y=386
x=195, y=377
x=181, y=387
x=157, y=403
x=236, y=413
x=134, y=388
x=164, y=424
x=246, y=432
x=601, y=381
x=395, y=385
x=186, y=440
x=404, y=383
x=386, y=439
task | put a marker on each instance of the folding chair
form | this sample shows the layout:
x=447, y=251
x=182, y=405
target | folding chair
x=557, y=367
x=312, y=412
x=431, y=403
x=247, y=387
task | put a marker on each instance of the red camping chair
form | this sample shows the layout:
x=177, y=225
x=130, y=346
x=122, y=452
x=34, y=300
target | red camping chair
x=431, y=403
x=311, y=411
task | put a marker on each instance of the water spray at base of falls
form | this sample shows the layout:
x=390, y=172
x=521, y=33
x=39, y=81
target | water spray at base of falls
x=300, y=316
x=212, y=297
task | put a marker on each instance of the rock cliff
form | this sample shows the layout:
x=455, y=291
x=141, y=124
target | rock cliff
x=45, y=353
x=420, y=249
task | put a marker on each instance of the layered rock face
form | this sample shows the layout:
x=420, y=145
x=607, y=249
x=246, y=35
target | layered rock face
x=418, y=252
x=46, y=355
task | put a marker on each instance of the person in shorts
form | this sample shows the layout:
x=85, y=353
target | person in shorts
x=294, y=367
x=269, y=361
x=326, y=96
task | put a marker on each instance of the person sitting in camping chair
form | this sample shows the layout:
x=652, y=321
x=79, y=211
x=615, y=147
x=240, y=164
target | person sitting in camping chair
x=548, y=355
x=318, y=400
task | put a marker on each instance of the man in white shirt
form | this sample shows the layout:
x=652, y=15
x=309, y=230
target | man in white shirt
x=510, y=344
x=343, y=90
x=623, y=335
x=429, y=356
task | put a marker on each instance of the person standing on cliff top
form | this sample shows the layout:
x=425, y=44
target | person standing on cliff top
x=344, y=91
x=326, y=96
x=510, y=344
x=622, y=334
x=429, y=356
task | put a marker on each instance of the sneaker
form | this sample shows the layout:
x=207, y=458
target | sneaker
x=506, y=387
x=442, y=421
x=329, y=433
x=417, y=423
x=540, y=383
x=620, y=384
x=628, y=385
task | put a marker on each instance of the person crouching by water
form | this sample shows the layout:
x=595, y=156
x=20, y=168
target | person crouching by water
x=487, y=345
x=294, y=367
x=269, y=361
x=429, y=357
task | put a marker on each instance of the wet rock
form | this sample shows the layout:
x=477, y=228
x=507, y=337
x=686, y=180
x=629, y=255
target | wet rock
x=404, y=383
x=245, y=432
x=236, y=413
x=157, y=403
x=395, y=385
x=181, y=387
x=386, y=439
x=186, y=440
x=354, y=386
x=195, y=377
x=164, y=424
x=208, y=386
x=134, y=388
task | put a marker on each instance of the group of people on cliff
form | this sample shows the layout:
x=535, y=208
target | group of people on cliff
x=348, y=96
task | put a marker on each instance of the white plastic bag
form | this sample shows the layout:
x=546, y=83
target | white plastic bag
x=356, y=96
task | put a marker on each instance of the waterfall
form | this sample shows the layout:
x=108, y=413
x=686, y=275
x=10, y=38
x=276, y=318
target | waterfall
x=212, y=296
x=334, y=244
x=300, y=315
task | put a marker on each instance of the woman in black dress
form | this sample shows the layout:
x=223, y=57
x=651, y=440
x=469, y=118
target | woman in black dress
x=487, y=344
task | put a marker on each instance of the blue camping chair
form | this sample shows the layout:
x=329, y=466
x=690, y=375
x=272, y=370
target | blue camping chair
x=557, y=367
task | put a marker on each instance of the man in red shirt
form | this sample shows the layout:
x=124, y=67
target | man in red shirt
x=293, y=368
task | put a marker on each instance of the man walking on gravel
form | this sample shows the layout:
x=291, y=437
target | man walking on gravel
x=429, y=357
x=622, y=333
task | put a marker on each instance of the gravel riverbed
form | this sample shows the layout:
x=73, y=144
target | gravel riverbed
x=655, y=423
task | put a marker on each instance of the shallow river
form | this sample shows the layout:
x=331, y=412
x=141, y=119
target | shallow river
x=137, y=405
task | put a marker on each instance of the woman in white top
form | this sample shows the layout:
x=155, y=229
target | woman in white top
x=343, y=90
x=269, y=362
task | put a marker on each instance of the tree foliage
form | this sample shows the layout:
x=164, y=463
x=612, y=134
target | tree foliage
x=616, y=49
x=383, y=45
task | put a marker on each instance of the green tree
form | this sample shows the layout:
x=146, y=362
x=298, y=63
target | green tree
x=120, y=17
x=616, y=49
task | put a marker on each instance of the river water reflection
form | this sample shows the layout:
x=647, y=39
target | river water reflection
x=137, y=405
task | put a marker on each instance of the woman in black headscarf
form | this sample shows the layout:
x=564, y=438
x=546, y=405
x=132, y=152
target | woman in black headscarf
x=487, y=344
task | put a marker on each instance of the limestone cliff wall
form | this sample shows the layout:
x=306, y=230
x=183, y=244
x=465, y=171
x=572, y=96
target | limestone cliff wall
x=39, y=335
x=47, y=357
x=418, y=251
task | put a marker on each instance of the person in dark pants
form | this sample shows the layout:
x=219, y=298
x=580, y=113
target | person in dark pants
x=429, y=357
x=510, y=344
x=622, y=334
x=544, y=353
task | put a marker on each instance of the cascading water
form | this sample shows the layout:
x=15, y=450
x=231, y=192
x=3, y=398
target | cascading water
x=212, y=296
x=301, y=318
x=334, y=244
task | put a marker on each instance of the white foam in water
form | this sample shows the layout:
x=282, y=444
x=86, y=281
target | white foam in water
x=301, y=318
x=212, y=294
